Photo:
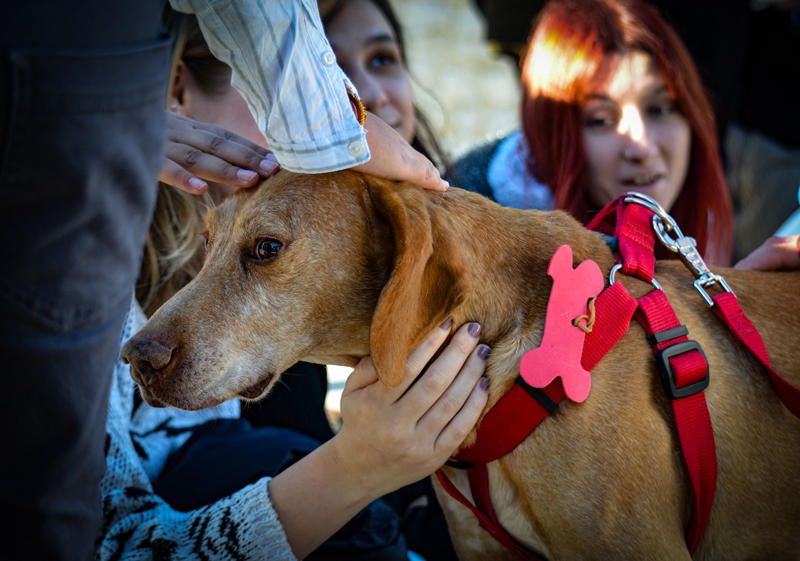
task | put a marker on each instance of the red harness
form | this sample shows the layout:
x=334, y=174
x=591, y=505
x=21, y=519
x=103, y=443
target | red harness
x=632, y=219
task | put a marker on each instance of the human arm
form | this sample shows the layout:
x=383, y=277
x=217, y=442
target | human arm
x=242, y=526
x=286, y=71
x=390, y=437
x=778, y=252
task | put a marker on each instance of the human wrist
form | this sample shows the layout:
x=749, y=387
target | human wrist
x=359, y=475
x=314, y=497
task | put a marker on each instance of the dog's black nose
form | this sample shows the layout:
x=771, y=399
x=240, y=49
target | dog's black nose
x=148, y=358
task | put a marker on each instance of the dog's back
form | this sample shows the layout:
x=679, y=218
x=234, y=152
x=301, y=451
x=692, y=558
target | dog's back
x=605, y=480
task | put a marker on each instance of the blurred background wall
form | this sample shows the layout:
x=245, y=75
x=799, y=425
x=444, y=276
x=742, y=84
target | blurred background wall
x=469, y=93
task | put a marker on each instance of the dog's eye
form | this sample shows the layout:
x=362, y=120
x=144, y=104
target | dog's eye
x=267, y=248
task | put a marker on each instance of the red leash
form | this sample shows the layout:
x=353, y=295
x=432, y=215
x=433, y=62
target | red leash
x=727, y=309
x=633, y=219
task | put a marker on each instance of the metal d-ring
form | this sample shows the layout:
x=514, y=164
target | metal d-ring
x=613, y=272
x=663, y=223
x=652, y=204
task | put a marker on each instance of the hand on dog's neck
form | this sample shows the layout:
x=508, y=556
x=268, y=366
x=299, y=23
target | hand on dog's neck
x=505, y=283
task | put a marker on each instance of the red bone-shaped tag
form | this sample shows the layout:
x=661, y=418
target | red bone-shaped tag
x=562, y=342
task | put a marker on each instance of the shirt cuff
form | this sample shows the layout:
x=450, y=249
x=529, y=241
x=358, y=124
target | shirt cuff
x=336, y=155
x=348, y=150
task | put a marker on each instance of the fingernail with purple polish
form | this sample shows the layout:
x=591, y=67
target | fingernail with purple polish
x=484, y=383
x=268, y=164
x=245, y=175
x=483, y=351
x=197, y=184
x=474, y=329
x=446, y=324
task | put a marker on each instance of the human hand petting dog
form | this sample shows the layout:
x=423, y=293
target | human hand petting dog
x=410, y=431
x=390, y=437
x=196, y=152
x=394, y=158
x=775, y=253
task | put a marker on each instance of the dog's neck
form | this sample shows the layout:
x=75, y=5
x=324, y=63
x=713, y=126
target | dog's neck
x=506, y=286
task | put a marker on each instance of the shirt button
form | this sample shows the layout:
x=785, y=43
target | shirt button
x=356, y=148
x=329, y=58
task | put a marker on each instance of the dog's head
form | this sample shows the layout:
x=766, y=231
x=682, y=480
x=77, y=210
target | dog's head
x=324, y=268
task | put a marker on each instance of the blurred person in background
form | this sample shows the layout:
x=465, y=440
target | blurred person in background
x=739, y=47
x=612, y=102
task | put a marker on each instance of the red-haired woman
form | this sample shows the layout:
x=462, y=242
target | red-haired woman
x=612, y=102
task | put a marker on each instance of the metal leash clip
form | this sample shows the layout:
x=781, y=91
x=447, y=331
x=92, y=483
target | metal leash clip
x=686, y=247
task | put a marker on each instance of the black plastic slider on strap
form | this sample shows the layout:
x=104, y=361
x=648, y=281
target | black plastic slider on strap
x=537, y=394
x=664, y=366
x=667, y=335
x=668, y=376
x=458, y=464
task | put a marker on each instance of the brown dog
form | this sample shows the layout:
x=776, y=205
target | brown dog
x=330, y=268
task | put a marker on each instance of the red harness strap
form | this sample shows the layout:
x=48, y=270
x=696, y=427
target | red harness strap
x=682, y=364
x=522, y=409
x=684, y=371
x=631, y=225
x=484, y=512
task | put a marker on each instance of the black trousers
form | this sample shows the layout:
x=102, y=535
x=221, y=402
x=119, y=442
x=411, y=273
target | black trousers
x=82, y=88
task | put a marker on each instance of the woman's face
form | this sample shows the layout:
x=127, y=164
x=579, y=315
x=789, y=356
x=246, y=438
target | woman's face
x=367, y=50
x=635, y=138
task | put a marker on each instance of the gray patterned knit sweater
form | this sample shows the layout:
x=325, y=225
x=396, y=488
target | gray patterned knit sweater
x=138, y=525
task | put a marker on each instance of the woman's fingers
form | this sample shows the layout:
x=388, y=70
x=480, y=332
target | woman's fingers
x=363, y=375
x=209, y=153
x=207, y=166
x=420, y=356
x=454, y=433
x=453, y=398
x=434, y=384
x=774, y=254
x=175, y=175
x=224, y=144
x=421, y=170
x=179, y=125
x=394, y=158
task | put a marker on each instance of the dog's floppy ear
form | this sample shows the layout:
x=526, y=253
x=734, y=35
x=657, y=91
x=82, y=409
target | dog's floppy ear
x=425, y=285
